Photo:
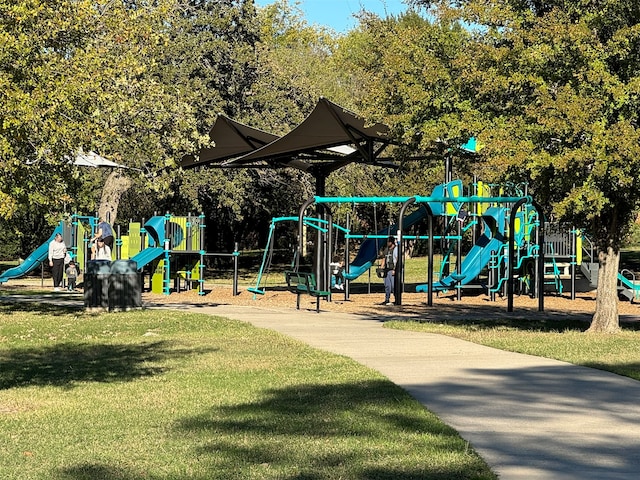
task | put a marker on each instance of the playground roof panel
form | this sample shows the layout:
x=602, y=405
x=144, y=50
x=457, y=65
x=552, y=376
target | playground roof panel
x=320, y=144
x=231, y=139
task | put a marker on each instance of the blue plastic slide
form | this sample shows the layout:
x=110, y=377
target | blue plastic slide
x=32, y=262
x=146, y=256
x=492, y=239
x=369, y=249
x=155, y=228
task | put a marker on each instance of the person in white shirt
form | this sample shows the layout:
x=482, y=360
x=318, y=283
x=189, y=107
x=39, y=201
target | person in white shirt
x=103, y=252
x=57, y=253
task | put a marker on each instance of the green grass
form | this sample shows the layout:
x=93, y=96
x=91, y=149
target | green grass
x=559, y=339
x=170, y=395
x=175, y=395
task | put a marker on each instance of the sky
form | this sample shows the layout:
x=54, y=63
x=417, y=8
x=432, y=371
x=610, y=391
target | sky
x=339, y=14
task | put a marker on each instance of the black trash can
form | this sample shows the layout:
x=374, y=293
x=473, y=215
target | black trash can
x=125, y=286
x=96, y=285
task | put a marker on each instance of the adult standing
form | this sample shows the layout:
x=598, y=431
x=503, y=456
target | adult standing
x=389, y=262
x=104, y=232
x=57, y=254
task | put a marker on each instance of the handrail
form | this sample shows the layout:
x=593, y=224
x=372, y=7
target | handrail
x=632, y=274
x=590, y=251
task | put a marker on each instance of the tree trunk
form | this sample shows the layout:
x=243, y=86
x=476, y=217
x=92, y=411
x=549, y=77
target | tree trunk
x=605, y=318
x=114, y=187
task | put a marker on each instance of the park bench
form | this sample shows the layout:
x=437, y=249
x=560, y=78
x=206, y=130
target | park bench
x=302, y=283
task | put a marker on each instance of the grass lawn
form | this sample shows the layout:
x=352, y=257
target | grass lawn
x=175, y=395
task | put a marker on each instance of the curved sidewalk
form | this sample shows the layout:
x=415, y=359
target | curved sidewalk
x=530, y=418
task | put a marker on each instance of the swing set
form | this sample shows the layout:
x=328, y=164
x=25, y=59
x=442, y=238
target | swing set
x=436, y=204
x=267, y=256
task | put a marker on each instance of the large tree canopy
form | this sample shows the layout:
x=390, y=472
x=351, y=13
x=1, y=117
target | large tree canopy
x=556, y=85
x=80, y=74
x=412, y=66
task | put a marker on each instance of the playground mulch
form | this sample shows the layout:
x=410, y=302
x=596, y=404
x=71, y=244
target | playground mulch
x=414, y=305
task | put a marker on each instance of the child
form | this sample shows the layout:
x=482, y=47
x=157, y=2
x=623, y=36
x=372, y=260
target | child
x=103, y=252
x=72, y=275
x=337, y=271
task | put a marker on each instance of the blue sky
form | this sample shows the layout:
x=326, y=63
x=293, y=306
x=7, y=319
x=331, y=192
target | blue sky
x=339, y=14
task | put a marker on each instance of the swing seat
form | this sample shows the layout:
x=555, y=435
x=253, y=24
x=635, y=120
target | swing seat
x=305, y=283
x=255, y=290
x=458, y=277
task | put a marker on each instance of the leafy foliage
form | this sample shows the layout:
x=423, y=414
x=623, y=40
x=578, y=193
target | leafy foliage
x=79, y=75
x=556, y=85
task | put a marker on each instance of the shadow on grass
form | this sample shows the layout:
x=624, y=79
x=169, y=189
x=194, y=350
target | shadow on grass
x=31, y=305
x=329, y=431
x=92, y=471
x=66, y=364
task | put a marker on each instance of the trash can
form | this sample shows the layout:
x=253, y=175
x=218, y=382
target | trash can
x=96, y=285
x=125, y=286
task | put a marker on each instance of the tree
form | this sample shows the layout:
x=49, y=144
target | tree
x=78, y=75
x=405, y=69
x=222, y=59
x=296, y=67
x=557, y=85
x=213, y=60
x=34, y=133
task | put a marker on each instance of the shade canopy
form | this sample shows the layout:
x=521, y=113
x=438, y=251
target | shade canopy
x=231, y=139
x=329, y=138
x=92, y=159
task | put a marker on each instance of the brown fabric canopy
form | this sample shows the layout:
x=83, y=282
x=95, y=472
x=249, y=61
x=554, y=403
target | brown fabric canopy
x=231, y=139
x=329, y=138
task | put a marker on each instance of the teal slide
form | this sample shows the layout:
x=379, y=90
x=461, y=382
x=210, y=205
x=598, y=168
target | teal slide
x=147, y=256
x=155, y=229
x=492, y=239
x=32, y=262
x=369, y=249
x=628, y=288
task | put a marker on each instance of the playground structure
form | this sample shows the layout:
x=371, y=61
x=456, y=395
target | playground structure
x=510, y=245
x=328, y=139
x=35, y=259
x=508, y=251
x=167, y=249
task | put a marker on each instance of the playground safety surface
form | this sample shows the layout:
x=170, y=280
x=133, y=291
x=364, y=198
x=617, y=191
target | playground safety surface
x=414, y=305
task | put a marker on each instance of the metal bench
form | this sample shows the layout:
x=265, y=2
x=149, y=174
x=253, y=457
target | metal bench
x=302, y=283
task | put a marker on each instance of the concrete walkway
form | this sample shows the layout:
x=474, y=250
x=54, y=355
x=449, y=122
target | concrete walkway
x=530, y=418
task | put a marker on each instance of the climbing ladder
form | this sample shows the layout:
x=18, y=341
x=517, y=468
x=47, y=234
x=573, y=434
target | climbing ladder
x=553, y=277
